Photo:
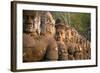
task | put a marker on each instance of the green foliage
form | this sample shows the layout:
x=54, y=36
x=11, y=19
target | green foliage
x=80, y=21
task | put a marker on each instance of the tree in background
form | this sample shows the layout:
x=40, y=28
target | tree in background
x=80, y=21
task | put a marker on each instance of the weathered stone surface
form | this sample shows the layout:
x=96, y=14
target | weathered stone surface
x=62, y=51
x=43, y=46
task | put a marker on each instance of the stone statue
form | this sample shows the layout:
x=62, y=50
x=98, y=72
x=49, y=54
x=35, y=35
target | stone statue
x=60, y=37
x=38, y=47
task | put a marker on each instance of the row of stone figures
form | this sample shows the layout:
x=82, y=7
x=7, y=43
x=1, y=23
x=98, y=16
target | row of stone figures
x=46, y=39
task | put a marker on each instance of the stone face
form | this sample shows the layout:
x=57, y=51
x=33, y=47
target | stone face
x=47, y=23
x=41, y=45
x=78, y=45
x=45, y=47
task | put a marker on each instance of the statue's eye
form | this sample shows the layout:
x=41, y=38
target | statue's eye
x=32, y=17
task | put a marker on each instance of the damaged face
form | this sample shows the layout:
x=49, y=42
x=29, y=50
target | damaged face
x=29, y=24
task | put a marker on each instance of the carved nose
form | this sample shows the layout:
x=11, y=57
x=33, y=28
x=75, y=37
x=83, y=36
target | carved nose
x=29, y=20
x=59, y=36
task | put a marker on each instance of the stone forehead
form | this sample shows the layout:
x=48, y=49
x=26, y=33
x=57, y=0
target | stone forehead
x=61, y=26
x=29, y=13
